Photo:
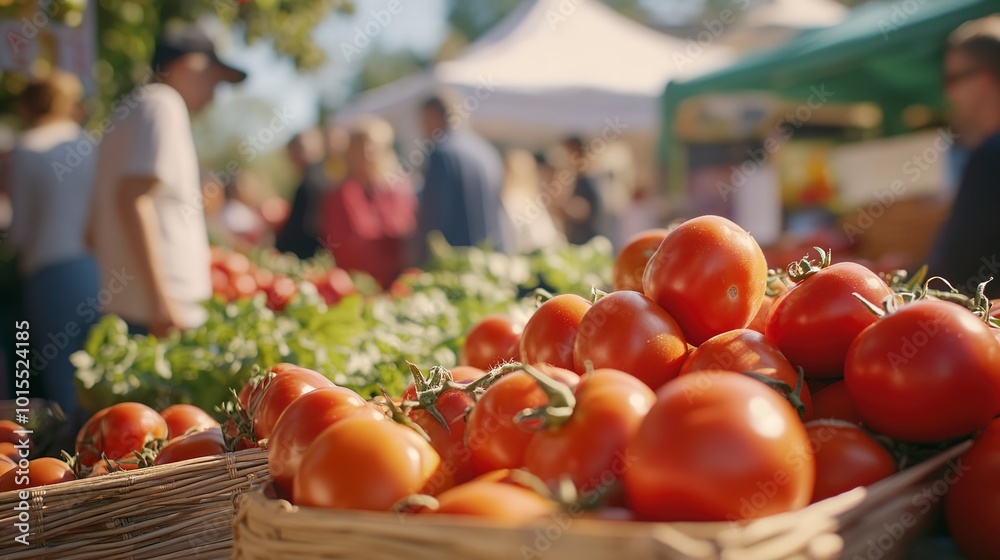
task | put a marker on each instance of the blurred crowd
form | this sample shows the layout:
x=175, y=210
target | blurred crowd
x=122, y=223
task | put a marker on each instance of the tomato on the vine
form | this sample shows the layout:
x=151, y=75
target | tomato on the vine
x=708, y=274
x=589, y=445
x=718, y=447
x=815, y=321
x=548, y=336
x=278, y=391
x=627, y=331
x=748, y=351
x=204, y=443
x=846, y=457
x=119, y=431
x=972, y=506
x=929, y=371
x=182, y=418
x=40, y=472
x=363, y=463
x=632, y=259
x=304, y=419
x=442, y=415
x=494, y=340
x=494, y=439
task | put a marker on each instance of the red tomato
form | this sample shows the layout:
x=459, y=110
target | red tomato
x=548, y=336
x=40, y=472
x=627, y=331
x=6, y=464
x=632, y=259
x=244, y=286
x=182, y=418
x=493, y=340
x=9, y=450
x=748, y=351
x=502, y=504
x=846, y=457
x=590, y=446
x=927, y=372
x=834, y=403
x=718, y=447
x=709, y=275
x=204, y=443
x=279, y=392
x=302, y=421
x=396, y=463
x=448, y=438
x=10, y=439
x=972, y=505
x=88, y=439
x=282, y=291
x=8, y=432
x=335, y=285
x=815, y=321
x=119, y=431
x=495, y=441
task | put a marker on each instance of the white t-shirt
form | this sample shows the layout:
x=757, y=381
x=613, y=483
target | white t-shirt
x=50, y=184
x=152, y=138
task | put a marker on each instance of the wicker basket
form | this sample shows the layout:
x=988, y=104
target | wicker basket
x=835, y=528
x=182, y=510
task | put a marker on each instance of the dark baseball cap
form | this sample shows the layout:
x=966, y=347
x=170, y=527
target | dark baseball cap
x=179, y=40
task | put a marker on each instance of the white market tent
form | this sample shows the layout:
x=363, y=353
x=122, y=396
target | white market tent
x=551, y=68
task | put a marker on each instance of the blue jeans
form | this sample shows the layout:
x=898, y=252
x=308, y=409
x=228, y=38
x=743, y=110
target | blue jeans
x=61, y=304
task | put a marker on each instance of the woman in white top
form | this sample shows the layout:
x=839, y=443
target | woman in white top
x=51, y=177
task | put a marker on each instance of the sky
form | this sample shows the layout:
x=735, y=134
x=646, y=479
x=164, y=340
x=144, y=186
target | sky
x=275, y=79
x=421, y=28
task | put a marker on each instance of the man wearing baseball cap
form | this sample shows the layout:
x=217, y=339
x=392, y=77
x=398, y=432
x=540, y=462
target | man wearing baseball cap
x=147, y=224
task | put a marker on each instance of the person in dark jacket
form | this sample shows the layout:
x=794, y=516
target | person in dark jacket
x=967, y=249
x=583, y=210
x=462, y=184
x=301, y=233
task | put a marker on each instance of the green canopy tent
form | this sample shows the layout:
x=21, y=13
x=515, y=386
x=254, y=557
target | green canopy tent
x=884, y=53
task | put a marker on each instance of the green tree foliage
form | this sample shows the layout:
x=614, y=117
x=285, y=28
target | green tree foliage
x=127, y=31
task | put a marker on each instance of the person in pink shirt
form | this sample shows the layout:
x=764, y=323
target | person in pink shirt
x=367, y=221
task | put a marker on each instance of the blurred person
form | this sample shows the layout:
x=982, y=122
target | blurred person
x=532, y=224
x=337, y=139
x=233, y=221
x=50, y=199
x=300, y=235
x=368, y=220
x=462, y=184
x=147, y=219
x=582, y=212
x=967, y=249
